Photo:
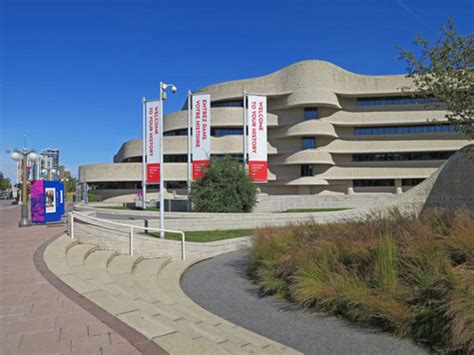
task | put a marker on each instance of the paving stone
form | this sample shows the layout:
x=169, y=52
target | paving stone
x=145, y=324
x=32, y=325
x=79, y=285
x=110, y=303
x=122, y=264
x=43, y=342
x=75, y=255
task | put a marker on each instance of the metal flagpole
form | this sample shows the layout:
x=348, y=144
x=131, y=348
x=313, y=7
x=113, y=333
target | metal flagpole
x=144, y=153
x=245, y=130
x=190, y=95
x=162, y=197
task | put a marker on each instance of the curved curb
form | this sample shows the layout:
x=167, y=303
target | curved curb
x=135, y=338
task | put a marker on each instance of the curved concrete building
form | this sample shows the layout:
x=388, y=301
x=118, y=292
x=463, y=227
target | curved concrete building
x=330, y=131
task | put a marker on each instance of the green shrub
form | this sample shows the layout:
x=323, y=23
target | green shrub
x=410, y=276
x=93, y=197
x=224, y=187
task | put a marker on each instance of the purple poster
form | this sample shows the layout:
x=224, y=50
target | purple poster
x=37, y=201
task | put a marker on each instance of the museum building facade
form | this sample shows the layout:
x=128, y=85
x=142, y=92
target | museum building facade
x=330, y=131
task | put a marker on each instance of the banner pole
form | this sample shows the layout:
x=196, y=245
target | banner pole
x=143, y=153
x=189, y=149
x=245, y=130
x=162, y=197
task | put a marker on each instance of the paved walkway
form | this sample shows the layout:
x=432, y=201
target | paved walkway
x=36, y=318
x=221, y=286
x=146, y=295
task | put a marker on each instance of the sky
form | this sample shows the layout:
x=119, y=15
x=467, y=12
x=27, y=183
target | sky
x=73, y=72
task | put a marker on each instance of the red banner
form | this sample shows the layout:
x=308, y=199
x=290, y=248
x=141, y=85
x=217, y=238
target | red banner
x=152, y=142
x=257, y=137
x=258, y=170
x=198, y=168
x=153, y=173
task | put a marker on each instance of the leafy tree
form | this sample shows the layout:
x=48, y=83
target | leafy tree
x=224, y=187
x=445, y=70
x=70, y=184
x=4, y=183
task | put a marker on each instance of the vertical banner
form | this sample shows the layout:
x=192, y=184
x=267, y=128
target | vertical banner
x=257, y=138
x=201, y=142
x=152, y=130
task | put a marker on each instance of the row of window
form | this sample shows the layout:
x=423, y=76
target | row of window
x=358, y=131
x=384, y=182
x=362, y=131
x=215, y=132
x=402, y=156
x=131, y=185
x=393, y=100
x=183, y=158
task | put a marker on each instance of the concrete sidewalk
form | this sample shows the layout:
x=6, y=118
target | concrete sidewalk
x=34, y=316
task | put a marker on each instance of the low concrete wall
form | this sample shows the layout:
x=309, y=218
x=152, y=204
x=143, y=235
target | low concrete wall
x=219, y=221
x=117, y=238
x=274, y=203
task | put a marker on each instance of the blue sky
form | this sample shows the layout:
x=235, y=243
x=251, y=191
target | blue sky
x=72, y=73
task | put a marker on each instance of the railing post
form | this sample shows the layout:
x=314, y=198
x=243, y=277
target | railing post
x=183, y=251
x=71, y=215
x=131, y=240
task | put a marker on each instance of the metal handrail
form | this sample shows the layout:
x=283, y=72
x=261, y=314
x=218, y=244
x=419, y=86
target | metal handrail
x=132, y=227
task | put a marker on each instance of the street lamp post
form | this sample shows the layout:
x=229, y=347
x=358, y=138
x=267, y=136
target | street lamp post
x=23, y=155
x=48, y=173
x=163, y=88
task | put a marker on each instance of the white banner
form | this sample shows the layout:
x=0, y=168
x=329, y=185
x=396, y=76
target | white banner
x=257, y=137
x=152, y=109
x=201, y=140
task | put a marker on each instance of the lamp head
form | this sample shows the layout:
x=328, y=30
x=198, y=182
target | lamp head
x=33, y=156
x=16, y=156
x=173, y=89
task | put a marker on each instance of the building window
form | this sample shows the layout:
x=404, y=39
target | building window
x=362, y=131
x=175, y=158
x=215, y=132
x=175, y=184
x=373, y=183
x=307, y=170
x=132, y=160
x=176, y=132
x=233, y=103
x=309, y=142
x=115, y=185
x=411, y=182
x=238, y=157
x=311, y=113
x=221, y=132
x=402, y=156
x=393, y=100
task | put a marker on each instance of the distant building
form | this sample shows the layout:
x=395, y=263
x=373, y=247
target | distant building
x=48, y=160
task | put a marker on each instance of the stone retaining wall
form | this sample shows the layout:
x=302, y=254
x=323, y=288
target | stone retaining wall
x=117, y=238
x=274, y=203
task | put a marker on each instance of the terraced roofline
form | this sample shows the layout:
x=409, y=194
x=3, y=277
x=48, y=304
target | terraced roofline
x=309, y=82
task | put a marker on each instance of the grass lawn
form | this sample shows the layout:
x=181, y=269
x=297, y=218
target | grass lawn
x=298, y=210
x=207, y=236
x=153, y=209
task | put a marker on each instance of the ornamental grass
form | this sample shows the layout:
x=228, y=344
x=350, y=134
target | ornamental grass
x=410, y=276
